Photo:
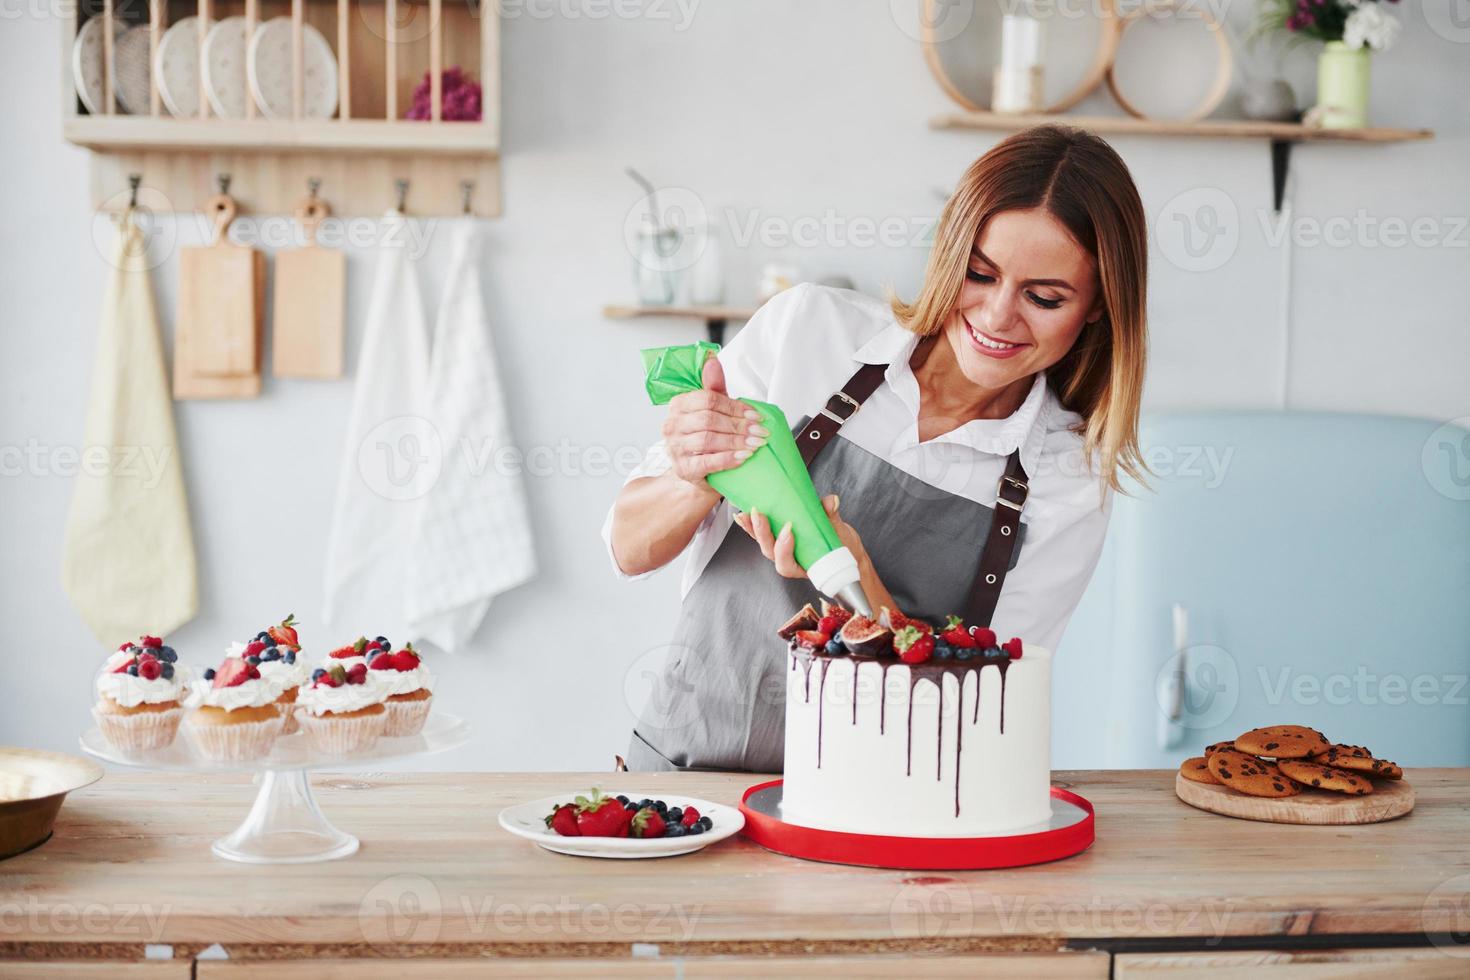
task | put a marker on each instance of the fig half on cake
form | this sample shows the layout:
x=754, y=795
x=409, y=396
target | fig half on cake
x=867, y=637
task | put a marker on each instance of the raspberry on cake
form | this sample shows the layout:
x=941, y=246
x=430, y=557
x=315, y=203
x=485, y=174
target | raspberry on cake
x=341, y=709
x=898, y=729
x=238, y=718
x=140, y=693
x=409, y=687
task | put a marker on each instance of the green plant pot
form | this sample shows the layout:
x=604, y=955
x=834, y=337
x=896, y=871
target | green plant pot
x=1342, y=86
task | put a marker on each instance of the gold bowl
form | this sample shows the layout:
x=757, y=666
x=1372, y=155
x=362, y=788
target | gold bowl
x=33, y=785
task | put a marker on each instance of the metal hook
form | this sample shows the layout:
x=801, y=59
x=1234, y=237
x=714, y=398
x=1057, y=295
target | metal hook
x=401, y=186
x=134, y=180
x=466, y=188
x=313, y=184
x=224, y=183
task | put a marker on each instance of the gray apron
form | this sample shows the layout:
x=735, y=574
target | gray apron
x=720, y=701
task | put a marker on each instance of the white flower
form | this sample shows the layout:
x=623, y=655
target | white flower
x=1369, y=26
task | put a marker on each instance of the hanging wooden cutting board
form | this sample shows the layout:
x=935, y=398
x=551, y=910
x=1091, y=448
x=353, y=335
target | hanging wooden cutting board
x=307, y=315
x=217, y=332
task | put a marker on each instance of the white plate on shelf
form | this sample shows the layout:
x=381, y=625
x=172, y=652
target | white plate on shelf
x=86, y=62
x=268, y=68
x=225, y=52
x=176, y=68
x=441, y=732
x=528, y=820
x=132, y=72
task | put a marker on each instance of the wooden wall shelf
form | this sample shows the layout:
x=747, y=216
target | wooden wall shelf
x=1281, y=135
x=716, y=318
x=382, y=48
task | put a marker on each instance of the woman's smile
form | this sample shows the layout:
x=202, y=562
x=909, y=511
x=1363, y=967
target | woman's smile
x=992, y=346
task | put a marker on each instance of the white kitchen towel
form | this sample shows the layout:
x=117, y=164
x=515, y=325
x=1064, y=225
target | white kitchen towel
x=128, y=557
x=392, y=456
x=474, y=536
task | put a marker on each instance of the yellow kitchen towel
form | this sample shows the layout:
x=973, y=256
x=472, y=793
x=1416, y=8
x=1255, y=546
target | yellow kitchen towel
x=128, y=560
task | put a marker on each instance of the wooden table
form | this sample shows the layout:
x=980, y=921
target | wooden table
x=438, y=890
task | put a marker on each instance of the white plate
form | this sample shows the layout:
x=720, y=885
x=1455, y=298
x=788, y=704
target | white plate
x=225, y=53
x=130, y=55
x=86, y=62
x=528, y=820
x=176, y=68
x=269, y=70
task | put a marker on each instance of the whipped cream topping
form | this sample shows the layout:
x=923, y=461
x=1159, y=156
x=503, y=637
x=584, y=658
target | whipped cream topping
x=320, y=699
x=130, y=691
x=285, y=676
x=247, y=694
x=403, y=681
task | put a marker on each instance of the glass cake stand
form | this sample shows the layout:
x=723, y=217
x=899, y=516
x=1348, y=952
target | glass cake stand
x=285, y=825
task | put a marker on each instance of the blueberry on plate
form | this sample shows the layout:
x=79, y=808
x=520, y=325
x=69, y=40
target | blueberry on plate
x=209, y=674
x=674, y=814
x=661, y=807
x=706, y=822
x=675, y=830
x=695, y=828
x=621, y=799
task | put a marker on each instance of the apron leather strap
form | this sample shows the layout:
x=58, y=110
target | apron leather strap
x=1010, y=497
x=842, y=406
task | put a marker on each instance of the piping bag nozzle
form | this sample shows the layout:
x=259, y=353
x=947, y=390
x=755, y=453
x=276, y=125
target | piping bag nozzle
x=836, y=574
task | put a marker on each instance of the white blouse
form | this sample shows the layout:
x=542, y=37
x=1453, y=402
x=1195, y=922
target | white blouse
x=806, y=342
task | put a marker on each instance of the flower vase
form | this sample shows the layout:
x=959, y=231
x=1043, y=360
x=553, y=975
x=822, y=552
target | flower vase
x=1342, y=86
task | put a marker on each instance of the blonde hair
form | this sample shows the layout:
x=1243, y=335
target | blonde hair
x=1082, y=182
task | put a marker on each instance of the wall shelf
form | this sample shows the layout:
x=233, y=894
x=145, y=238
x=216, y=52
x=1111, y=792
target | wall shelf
x=383, y=49
x=716, y=318
x=1281, y=135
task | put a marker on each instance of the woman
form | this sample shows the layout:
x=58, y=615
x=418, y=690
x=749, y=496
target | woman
x=1009, y=387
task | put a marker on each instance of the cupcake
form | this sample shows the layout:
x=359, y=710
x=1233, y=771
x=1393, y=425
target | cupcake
x=357, y=652
x=140, y=694
x=278, y=655
x=238, y=718
x=409, y=688
x=341, y=711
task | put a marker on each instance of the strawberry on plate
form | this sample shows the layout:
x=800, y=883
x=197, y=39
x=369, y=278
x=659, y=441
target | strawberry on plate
x=647, y=822
x=563, y=820
x=601, y=816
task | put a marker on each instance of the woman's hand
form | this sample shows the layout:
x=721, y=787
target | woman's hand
x=708, y=431
x=780, y=548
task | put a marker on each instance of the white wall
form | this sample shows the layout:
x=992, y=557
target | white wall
x=788, y=109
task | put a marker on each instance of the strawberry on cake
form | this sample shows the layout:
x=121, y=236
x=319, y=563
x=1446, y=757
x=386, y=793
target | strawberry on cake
x=896, y=728
x=409, y=687
x=140, y=694
x=341, y=709
x=238, y=718
x=359, y=651
x=278, y=655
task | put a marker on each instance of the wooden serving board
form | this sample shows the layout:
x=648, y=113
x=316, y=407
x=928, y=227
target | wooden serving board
x=309, y=294
x=1390, y=798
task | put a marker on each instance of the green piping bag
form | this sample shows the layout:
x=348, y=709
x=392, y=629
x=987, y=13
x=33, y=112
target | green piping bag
x=773, y=479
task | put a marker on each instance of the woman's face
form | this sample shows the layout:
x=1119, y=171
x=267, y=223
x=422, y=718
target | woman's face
x=1029, y=289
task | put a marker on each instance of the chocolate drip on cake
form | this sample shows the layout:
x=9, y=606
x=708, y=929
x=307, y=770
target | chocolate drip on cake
x=929, y=670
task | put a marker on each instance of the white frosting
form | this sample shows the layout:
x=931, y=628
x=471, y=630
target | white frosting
x=877, y=782
x=254, y=693
x=320, y=699
x=130, y=691
x=283, y=675
x=404, y=681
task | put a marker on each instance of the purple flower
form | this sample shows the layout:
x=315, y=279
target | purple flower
x=460, y=97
